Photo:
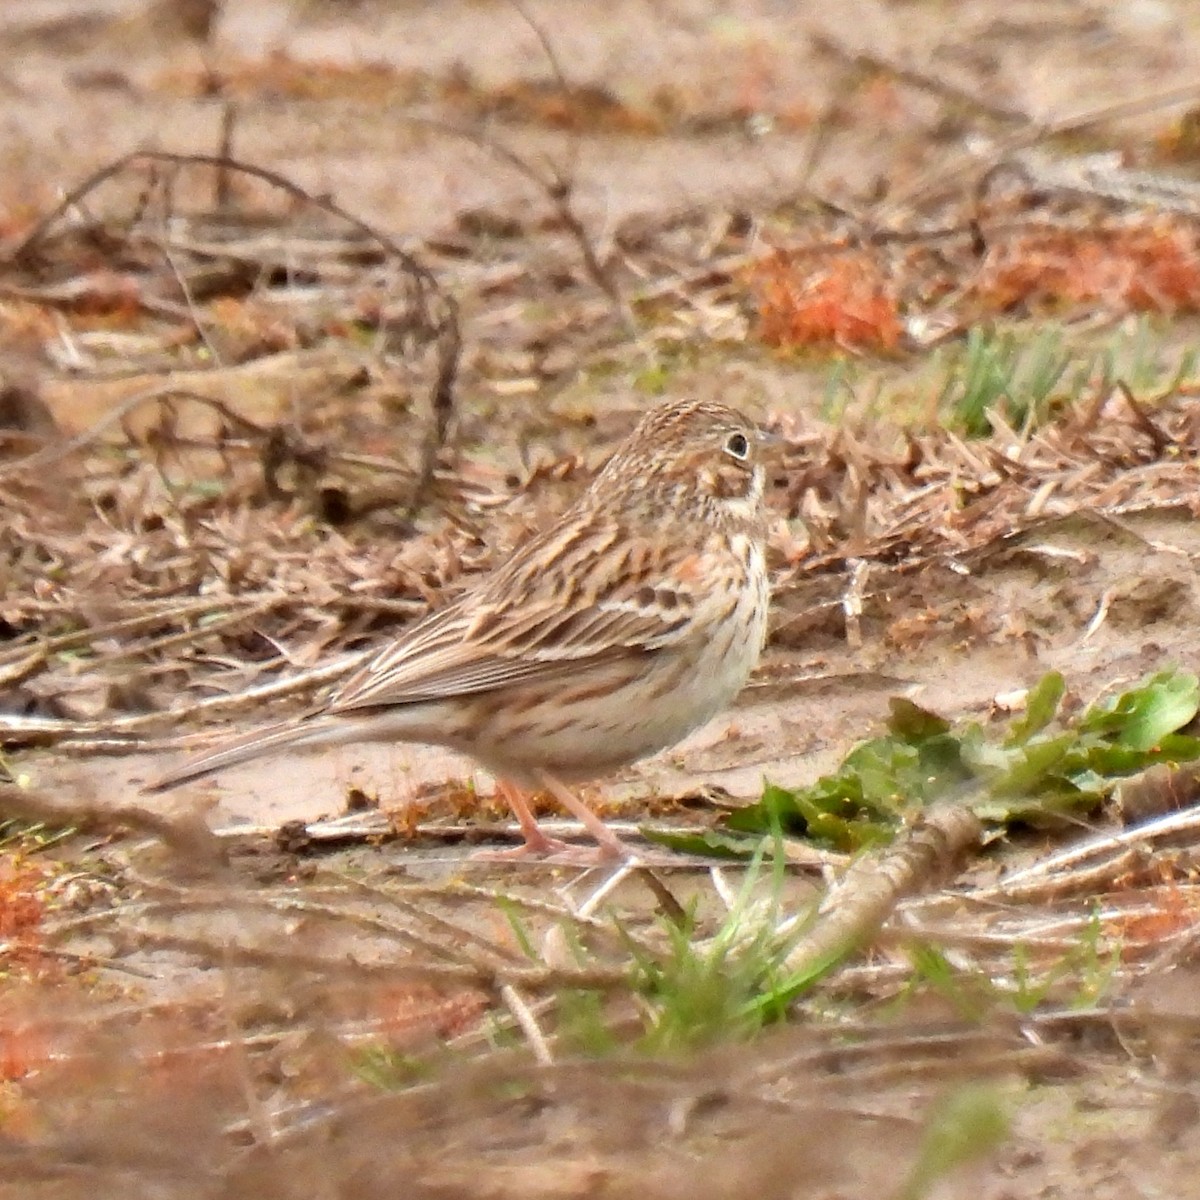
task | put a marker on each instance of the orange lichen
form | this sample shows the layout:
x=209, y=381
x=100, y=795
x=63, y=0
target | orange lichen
x=1151, y=267
x=22, y=958
x=21, y=905
x=845, y=300
x=24, y=1048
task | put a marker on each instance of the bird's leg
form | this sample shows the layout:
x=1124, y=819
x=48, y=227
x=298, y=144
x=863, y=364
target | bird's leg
x=536, y=840
x=610, y=846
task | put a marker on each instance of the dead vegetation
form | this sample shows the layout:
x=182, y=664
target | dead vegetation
x=247, y=432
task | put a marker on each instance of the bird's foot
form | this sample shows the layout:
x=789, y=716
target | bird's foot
x=609, y=849
x=554, y=852
x=534, y=847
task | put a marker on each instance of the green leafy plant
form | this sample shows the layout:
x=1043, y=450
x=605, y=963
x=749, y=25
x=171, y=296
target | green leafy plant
x=1043, y=765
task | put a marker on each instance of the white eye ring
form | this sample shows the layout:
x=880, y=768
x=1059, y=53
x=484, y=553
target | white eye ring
x=737, y=446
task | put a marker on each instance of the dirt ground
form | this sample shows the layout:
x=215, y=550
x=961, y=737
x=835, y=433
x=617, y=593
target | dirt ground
x=209, y=1022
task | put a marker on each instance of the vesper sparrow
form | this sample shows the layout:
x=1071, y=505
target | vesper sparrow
x=629, y=623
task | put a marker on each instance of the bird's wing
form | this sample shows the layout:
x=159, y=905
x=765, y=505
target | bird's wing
x=609, y=595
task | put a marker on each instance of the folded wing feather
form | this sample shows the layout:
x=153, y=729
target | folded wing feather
x=480, y=643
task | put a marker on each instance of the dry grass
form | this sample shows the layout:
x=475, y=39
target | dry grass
x=246, y=434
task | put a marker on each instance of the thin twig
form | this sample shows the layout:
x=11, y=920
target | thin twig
x=558, y=189
x=528, y=1023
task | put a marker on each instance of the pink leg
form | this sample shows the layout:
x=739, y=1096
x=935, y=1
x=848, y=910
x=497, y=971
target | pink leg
x=536, y=841
x=609, y=847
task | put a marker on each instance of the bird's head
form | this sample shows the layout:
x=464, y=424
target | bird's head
x=691, y=455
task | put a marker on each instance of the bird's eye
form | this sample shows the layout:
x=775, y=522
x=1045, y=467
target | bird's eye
x=737, y=445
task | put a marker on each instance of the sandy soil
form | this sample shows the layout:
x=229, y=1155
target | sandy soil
x=736, y=109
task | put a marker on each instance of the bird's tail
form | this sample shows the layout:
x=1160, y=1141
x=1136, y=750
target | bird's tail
x=310, y=731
